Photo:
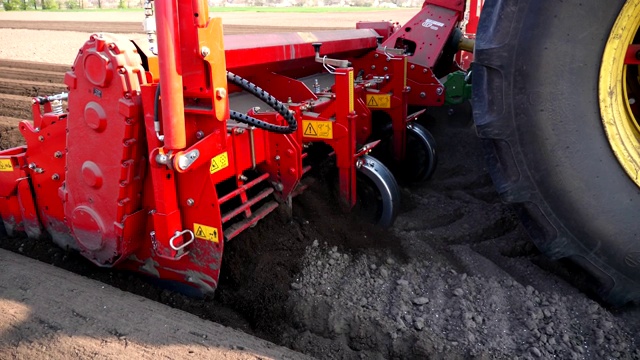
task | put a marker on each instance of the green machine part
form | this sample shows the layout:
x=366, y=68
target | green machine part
x=457, y=88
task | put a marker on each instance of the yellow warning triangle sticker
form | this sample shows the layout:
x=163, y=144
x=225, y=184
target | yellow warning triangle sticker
x=200, y=233
x=372, y=101
x=214, y=166
x=310, y=131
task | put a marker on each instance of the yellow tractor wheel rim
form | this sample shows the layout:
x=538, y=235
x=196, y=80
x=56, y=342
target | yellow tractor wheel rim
x=620, y=124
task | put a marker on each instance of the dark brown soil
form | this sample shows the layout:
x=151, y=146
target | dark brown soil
x=9, y=134
x=15, y=106
x=19, y=82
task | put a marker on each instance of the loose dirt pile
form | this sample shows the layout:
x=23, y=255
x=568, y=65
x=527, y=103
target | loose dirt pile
x=455, y=278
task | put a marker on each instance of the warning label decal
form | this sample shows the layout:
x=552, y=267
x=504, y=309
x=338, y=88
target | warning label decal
x=205, y=232
x=219, y=162
x=379, y=101
x=318, y=129
x=5, y=165
x=310, y=130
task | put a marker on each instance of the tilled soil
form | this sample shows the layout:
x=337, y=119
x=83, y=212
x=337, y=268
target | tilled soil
x=40, y=320
x=456, y=277
x=136, y=27
x=259, y=20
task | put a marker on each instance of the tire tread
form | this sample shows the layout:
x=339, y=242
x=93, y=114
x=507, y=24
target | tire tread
x=507, y=165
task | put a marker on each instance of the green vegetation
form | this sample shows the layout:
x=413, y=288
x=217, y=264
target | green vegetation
x=9, y=5
x=72, y=4
x=50, y=4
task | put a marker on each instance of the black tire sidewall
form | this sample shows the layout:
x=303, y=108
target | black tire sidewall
x=549, y=107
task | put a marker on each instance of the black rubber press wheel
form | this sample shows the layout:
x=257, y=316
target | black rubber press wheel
x=555, y=103
x=421, y=156
x=378, y=194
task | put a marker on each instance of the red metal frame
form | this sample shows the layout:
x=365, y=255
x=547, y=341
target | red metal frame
x=385, y=78
x=632, y=56
x=472, y=17
x=13, y=166
x=424, y=36
x=291, y=54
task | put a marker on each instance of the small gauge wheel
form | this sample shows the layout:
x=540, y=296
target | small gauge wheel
x=378, y=194
x=420, y=159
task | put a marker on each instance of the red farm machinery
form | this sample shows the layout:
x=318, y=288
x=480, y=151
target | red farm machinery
x=158, y=154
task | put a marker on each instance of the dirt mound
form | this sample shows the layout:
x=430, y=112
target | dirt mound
x=461, y=279
x=349, y=306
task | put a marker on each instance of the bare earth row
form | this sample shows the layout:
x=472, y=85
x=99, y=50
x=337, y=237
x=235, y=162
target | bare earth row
x=19, y=82
x=136, y=27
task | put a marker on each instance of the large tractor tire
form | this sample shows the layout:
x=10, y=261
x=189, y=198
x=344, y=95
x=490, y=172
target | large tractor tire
x=554, y=104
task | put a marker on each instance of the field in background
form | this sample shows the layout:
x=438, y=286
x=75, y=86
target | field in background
x=264, y=17
x=241, y=9
x=249, y=9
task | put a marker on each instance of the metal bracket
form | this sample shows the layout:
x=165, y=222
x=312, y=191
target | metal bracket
x=177, y=235
x=415, y=115
x=391, y=53
x=328, y=63
x=185, y=160
x=365, y=149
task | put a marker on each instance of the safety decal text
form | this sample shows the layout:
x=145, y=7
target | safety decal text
x=379, y=101
x=432, y=24
x=205, y=232
x=318, y=129
x=5, y=165
x=219, y=162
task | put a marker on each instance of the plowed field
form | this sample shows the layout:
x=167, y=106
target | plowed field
x=135, y=27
